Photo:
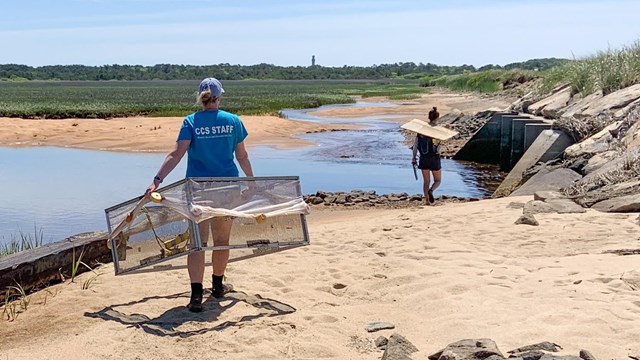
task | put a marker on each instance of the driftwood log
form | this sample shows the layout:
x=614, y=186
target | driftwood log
x=51, y=263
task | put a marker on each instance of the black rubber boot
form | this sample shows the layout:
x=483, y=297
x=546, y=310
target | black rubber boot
x=218, y=289
x=195, y=304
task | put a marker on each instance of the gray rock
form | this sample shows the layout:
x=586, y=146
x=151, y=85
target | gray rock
x=515, y=205
x=579, y=105
x=547, y=195
x=379, y=325
x=546, y=180
x=597, y=143
x=537, y=207
x=527, y=355
x=556, y=357
x=341, y=199
x=621, y=204
x=616, y=100
x=381, y=342
x=599, y=160
x=542, y=346
x=321, y=194
x=494, y=357
x=398, y=348
x=586, y=355
x=565, y=206
x=469, y=349
x=551, y=105
x=527, y=219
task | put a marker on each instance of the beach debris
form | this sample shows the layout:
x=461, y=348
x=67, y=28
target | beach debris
x=469, y=349
x=543, y=346
x=623, y=252
x=527, y=219
x=379, y=325
x=381, y=342
x=631, y=279
x=586, y=355
x=398, y=348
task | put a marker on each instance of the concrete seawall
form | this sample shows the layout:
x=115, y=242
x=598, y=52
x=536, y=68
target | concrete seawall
x=516, y=142
x=503, y=140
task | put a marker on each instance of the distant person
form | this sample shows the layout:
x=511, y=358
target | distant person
x=210, y=154
x=434, y=115
x=429, y=161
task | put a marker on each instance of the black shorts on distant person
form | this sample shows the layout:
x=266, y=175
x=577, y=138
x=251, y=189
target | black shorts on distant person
x=429, y=162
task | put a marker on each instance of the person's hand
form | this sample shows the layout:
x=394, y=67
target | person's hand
x=414, y=162
x=154, y=185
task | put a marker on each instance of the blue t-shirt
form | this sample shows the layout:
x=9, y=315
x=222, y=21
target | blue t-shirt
x=214, y=135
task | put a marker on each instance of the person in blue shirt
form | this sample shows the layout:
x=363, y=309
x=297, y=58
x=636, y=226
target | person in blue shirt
x=211, y=138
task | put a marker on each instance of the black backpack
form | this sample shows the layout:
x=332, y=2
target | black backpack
x=426, y=146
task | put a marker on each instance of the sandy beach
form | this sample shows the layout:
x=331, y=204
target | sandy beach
x=440, y=274
x=159, y=134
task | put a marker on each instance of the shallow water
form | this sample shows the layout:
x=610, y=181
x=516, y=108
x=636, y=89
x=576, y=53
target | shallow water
x=64, y=191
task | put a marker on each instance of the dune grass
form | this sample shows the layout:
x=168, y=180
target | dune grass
x=24, y=241
x=608, y=71
x=489, y=81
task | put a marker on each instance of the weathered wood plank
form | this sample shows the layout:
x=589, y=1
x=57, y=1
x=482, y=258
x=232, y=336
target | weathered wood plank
x=44, y=265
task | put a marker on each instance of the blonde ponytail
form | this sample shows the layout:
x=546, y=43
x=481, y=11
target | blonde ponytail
x=204, y=98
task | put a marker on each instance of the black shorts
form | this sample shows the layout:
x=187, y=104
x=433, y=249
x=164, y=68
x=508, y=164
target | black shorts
x=429, y=162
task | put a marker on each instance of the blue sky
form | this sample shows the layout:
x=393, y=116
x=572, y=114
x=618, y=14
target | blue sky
x=364, y=33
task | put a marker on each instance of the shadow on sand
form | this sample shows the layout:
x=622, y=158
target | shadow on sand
x=180, y=322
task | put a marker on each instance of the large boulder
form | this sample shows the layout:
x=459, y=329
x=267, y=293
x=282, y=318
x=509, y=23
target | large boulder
x=551, y=105
x=579, y=104
x=621, y=204
x=546, y=180
x=537, y=207
x=600, y=142
x=617, y=165
x=469, y=349
x=607, y=192
x=599, y=160
x=398, y=348
x=614, y=101
x=627, y=109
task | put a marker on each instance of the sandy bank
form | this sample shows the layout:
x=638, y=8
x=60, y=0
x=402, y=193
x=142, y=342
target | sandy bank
x=440, y=274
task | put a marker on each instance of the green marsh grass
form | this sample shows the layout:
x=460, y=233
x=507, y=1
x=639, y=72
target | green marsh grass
x=108, y=99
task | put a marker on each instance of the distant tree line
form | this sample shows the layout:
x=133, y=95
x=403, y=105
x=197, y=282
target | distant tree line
x=259, y=72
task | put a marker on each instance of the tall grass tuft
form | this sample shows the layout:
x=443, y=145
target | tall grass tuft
x=488, y=81
x=24, y=241
x=608, y=71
